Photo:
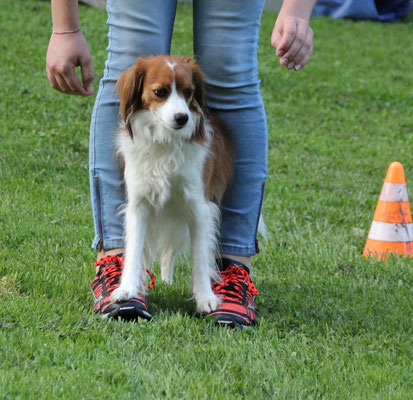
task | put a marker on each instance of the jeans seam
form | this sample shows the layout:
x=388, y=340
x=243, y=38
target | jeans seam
x=171, y=29
x=257, y=249
x=99, y=211
x=109, y=59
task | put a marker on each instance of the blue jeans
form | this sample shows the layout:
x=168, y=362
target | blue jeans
x=225, y=45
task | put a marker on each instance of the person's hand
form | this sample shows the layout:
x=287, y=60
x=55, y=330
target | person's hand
x=292, y=38
x=65, y=53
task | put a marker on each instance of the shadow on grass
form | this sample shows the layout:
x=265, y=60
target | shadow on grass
x=172, y=299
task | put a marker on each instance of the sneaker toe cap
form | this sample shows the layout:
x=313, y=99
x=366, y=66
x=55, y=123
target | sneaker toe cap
x=232, y=320
x=128, y=310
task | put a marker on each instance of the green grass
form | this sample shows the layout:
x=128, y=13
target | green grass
x=332, y=325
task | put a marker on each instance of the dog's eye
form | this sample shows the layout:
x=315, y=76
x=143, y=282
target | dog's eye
x=161, y=93
x=188, y=93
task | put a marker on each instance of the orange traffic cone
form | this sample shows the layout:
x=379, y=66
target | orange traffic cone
x=392, y=228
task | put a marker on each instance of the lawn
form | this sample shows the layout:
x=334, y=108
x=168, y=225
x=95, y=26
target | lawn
x=332, y=325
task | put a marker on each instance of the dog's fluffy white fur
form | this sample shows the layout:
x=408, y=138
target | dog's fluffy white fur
x=177, y=164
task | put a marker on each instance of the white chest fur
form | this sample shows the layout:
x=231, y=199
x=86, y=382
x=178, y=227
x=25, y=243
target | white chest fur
x=162, y=172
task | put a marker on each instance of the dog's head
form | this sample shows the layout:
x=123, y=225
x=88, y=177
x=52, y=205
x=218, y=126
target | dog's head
x=168, y=92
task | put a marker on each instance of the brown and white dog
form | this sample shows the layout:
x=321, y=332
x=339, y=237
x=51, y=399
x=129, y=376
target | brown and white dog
x=177, y=165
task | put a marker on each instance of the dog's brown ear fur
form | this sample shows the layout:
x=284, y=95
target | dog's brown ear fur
x=199, y=90
x=129, y=88
x=187, y=59
x=198, y=101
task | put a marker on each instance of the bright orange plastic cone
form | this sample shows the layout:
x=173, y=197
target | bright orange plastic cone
x=392, y=228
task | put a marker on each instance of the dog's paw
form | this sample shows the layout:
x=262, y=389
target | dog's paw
x=207, y=303
x=123, y=293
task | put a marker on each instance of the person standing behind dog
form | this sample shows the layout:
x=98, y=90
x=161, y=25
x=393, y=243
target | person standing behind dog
x=225, y=45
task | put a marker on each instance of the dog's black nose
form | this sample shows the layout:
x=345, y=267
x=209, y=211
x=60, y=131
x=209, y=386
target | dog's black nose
x=181, y=119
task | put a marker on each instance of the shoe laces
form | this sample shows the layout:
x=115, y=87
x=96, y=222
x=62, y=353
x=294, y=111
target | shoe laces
x=113, y=270
x=233, y=279
x=108, y=259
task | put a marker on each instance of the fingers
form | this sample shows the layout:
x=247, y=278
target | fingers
x=58, y=82
x=290, y=58
x=287, y=36
x=61, y=81
x=293, y=42
x=75, y=87
x=73, y=83
x=65, y=80
x=52, y=79
x=303, y=55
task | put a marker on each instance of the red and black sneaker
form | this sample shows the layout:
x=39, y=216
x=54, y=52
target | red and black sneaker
x=106, y=281
x=237, y=293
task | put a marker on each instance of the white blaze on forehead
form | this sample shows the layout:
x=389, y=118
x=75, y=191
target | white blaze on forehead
x=171, y=65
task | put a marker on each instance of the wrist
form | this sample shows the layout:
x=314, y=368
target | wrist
x=297, y=8
x=65, y=32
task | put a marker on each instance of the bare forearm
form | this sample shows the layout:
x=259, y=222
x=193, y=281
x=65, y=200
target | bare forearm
x=65, y=15
x=298, y=8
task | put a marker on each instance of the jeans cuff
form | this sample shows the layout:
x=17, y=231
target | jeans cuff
x=237, y=250
x=108, y=244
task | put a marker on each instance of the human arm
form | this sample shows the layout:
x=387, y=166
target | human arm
x=292, y=36
x=68, y=51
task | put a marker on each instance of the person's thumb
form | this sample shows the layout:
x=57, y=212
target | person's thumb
x=275, y=38
x=87, y=75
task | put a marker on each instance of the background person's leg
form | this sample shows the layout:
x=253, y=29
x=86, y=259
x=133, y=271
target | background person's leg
x=136, y=28
x=225, y=44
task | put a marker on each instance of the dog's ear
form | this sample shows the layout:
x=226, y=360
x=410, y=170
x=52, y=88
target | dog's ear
x=198, y=99
x=200, y=128
x=199, y=85
x=187, y=59
x=129, y=88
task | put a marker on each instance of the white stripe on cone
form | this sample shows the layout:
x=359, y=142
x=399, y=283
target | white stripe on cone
x=389, y=232
x=394, y=192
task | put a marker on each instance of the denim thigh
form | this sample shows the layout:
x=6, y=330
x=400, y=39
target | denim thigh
x=136, y=28
x=225, y=44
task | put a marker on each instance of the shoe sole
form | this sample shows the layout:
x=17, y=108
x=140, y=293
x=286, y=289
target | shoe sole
x=230, y=322
x=126, y=311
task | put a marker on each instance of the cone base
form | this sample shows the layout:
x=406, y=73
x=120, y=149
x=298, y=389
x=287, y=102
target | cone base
x=382, y=249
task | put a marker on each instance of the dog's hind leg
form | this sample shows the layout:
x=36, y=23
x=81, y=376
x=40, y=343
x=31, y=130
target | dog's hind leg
x=167, y=265
x=172, y=238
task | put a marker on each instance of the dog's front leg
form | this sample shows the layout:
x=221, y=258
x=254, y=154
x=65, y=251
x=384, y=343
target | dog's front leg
x=136, y=221
x=202, y=231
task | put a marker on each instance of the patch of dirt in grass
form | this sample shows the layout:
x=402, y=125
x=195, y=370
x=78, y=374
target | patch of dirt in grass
x=8, y=285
